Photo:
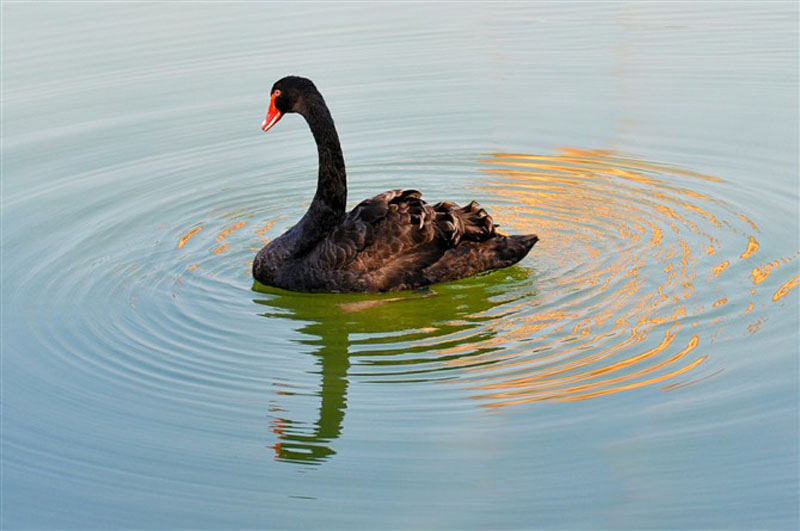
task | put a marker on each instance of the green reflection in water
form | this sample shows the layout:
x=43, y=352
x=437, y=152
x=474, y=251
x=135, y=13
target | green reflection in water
x=405, y=337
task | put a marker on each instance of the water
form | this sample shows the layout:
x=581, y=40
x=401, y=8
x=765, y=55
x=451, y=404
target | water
x=638, y=369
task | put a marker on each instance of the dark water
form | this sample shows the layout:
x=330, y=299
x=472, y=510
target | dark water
x=638, y=369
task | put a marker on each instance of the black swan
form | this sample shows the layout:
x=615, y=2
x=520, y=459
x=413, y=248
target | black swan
x=393, y=241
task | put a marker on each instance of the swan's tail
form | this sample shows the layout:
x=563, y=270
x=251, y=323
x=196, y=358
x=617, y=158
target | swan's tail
x=473, y=257
x=522, y=244
x=509, y=250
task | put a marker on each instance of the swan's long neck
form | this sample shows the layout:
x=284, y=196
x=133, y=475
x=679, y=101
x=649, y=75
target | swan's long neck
x=332, y=180
x=327, y=208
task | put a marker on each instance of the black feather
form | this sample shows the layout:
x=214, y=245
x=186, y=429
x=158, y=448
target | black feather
x=392, y=241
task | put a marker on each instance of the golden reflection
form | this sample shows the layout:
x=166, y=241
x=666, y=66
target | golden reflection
x=230, y=230
x=261, y=233
x=188, y=235
x=752, y=247
x=749, y=222
x=717, y=270
x=784, y=289
x=657, y=237
x=591, y=209
x=760, y=274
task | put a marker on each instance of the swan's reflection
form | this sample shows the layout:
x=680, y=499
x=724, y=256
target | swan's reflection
x=393, y=334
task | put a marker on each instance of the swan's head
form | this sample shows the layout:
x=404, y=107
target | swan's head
x=287, y=95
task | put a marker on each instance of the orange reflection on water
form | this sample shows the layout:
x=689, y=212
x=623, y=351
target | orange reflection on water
x=263, y=230
x=760, y=274
x=579, y=392
x=613, y=288
x=752, y=247
x=786, y=288
x=717, y=270
x=230, y=230
x=658, y=235
x=749, y=222
x=188, y=235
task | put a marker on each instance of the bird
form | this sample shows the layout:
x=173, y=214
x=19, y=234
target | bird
x=393, y=241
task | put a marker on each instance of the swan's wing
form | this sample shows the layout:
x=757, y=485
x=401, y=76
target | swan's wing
x=391, y=238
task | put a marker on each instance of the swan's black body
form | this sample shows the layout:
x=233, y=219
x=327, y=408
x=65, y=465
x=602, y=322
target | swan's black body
x=392, y=241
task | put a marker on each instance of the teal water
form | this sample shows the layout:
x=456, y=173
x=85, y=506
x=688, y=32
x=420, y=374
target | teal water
x=638, y=369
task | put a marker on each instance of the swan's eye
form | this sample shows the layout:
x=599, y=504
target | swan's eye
x=276, y=93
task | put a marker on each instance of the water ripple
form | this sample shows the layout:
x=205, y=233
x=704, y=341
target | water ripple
x=640, y=267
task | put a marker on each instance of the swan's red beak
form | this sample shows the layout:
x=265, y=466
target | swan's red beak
x=273, y=114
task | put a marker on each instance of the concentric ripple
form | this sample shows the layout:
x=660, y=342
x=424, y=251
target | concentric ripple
x=640, y=268
x=638, y=368
x=636, y=274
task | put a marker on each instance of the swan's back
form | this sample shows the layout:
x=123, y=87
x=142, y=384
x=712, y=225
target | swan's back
x=397, y=241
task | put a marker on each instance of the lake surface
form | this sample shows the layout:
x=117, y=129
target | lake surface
x=639, y=369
